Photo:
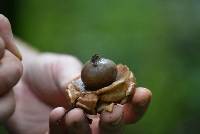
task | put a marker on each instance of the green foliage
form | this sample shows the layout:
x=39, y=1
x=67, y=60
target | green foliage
x=2, y=130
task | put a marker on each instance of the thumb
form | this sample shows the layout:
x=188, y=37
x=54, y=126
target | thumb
x=7, y=36
x=49, y=75
x=65, y=70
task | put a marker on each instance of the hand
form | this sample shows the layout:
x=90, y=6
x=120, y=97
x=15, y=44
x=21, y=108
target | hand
x=41, y=103
x=10, y=69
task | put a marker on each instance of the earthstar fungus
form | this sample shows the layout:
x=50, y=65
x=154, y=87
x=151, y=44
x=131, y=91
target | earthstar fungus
x=101, y=96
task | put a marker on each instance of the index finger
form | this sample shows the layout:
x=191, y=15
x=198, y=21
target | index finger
x=7, y=36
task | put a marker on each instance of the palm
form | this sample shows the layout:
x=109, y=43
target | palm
x=30, y=112
x=37, y=94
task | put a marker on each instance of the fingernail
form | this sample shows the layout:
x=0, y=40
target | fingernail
x=14, y=49
x=18, y=54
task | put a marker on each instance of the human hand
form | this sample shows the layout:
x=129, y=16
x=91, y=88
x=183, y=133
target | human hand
x=10, y=69
x=41, y=104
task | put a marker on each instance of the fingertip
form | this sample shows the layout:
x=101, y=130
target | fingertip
x=74, y=116
x=76, y=122
x=4, y=23
x=56, y=114
x=56, y=123
x=5, y=28
x=138, y=105
x=142, y=97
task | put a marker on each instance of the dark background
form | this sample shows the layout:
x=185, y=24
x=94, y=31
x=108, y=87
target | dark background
x=159, y=40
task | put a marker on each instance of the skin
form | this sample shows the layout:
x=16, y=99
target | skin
x=32, y=97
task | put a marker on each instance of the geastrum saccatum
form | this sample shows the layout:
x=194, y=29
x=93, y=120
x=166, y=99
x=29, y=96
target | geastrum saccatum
x=101, y=85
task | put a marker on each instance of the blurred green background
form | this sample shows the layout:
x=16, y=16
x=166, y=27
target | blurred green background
x=159, y=40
